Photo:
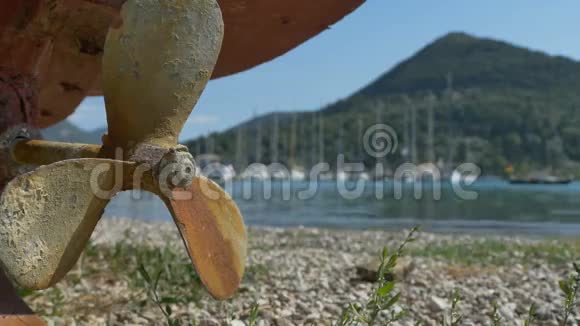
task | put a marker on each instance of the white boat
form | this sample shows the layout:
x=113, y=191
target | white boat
x=342, y=176
x=213, y=169
x=280, y=175
x=363, y=176
x=228, y=172
x=219, y=172
x=458, y=177
x=255, y=172
x=297, y=175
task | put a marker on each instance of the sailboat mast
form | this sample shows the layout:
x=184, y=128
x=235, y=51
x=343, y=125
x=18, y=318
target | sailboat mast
x=209, y=145
x=292, y=149
x=239, y=148
x=339, y=141
x=313, y=140
x=258, y=142
x=320, y=138
x=360, y=139
x=198, y=147
x=452, y=143
x=413, y=133
x=301, y=147
x=430, y=128
x=379, y=105
x=274, y=143
x=407, y=133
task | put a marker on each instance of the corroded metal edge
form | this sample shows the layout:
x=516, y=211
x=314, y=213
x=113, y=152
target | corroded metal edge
x=214, y=234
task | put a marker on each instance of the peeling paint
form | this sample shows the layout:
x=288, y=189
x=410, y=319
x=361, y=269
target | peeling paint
x=46, y=219
x=158, y=62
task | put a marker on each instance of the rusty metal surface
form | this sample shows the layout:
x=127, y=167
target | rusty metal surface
x=9, y=167
x=160, y=169
x=41, y=152
x=155, y=67
x=48, y=216
x=144, y=70
x=13, y=310
x=213, y=231
x=18, y=99
x=21, y=320
x=60, y=42
x=57, y=44
x=75, y=62
x=258, y=31
x=18, y=107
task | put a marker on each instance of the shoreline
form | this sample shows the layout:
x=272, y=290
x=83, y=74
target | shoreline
x=481, y=229
x=308, y=275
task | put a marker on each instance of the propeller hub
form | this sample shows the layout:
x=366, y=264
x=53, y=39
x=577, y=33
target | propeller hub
x=177, y=167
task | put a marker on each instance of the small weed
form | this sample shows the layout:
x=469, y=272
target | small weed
x=495, y=317
x=455, y=318
x=154, y=295
x=177, y=276
x=56, y=297
x=23, y=293
x=254, y=312
x=531, y=315
x=383, y=298
x=570, y=292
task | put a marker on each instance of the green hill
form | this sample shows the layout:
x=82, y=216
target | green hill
x=477, y=63
x=66, y=131
x=494, y=104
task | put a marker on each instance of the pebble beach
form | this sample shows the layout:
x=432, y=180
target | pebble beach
x=307, y=276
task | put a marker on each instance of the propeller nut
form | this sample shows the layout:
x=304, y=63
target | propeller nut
x=177, y=167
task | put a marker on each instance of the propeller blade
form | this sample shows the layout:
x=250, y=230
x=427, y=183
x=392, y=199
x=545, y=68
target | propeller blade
x=156, y=64
x=48, y=215
x=214, y=234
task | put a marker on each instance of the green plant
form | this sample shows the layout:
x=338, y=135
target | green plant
x=254, y=312
x=57, y=298
x=454, y=318
x=496, y=252
x=383, y=297
x=154, y=295
x=570, y=292
x=178, y=279
x=495, y=317
x=23, y=293
x=531, y=315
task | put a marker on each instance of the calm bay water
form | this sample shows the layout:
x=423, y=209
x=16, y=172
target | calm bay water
x=546, y=210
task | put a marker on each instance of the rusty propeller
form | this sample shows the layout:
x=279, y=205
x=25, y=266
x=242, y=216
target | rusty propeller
x=156, y=63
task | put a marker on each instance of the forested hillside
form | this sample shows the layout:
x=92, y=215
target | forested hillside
x=493, y=104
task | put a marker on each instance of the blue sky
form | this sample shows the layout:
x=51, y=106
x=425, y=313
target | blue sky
x=363, y=46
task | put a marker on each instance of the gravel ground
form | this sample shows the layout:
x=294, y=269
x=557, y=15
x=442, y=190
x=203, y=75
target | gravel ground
x=307, y=276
